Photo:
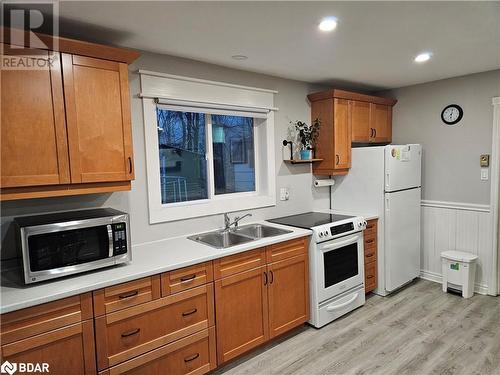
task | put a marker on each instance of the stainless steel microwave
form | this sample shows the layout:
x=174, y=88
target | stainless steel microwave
x=65, y=243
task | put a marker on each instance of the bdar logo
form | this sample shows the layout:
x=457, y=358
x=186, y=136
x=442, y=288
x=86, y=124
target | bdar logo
x=8, y=368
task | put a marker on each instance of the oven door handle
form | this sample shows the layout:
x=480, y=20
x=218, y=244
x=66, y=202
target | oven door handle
x=110, y=238
x=344, y=304
x=337, y=245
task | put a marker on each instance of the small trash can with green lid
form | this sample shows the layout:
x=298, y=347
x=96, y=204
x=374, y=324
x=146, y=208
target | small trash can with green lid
x=459, y=271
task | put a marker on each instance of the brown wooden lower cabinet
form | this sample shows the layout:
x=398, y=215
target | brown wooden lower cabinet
x=60, y=333
x=133, y=331
x=370, y=246
x=242, y=313
x=192, y=355
x=256, y=305
x=68, y=350
x=288, y=294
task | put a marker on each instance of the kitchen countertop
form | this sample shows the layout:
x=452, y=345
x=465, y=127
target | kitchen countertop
x=147, y=259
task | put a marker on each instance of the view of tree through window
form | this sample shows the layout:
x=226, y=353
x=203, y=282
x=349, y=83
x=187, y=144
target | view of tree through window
x=182, y=144
x=183, y=166
x=233, y=148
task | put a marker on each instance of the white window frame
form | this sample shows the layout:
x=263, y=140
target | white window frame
x=209, y=97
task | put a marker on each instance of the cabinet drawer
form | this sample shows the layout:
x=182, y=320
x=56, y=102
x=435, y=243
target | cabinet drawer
x=371, y=228
x=370, y=276
x=186, y=278
x=194, y=354
x=67, y=350
x=370, y=254
x=139, y=329
x=241, y=262
x=287, y=249
x=118, y=297
x=35, y=320
x=370, y=240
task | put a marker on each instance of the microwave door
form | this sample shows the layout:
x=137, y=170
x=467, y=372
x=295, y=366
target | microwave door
x=68, y=248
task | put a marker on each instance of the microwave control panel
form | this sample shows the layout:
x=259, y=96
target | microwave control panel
x=119, y=238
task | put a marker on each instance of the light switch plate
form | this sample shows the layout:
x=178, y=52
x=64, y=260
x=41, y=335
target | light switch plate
x=484, y=174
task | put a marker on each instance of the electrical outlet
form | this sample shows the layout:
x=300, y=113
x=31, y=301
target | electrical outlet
x=484, y=174
x=284, y=194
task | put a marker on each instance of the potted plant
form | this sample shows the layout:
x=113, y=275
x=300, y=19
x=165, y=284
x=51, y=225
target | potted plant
x=307, y=134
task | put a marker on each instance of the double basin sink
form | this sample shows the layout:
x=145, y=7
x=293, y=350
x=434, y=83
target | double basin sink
x=222, y=239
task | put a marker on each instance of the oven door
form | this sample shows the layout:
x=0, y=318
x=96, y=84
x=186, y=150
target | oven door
x=340, y=265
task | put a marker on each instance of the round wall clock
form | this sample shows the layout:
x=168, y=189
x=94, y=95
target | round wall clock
x=452, y=114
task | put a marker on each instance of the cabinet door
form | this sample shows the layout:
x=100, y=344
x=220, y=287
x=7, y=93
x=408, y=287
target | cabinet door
x=98, y=119
x=68, y=350
x=382, y=123
x=342, y=134
x=241, y=313
x=288, y=294
x=34, y=149
x=361, y=127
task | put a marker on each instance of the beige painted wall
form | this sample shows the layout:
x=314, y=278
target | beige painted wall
x=451, y=169
x=292, y=105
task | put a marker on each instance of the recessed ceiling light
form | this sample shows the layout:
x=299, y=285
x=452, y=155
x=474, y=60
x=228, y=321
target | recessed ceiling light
x=423, y=57
x=328, y=24
x=239, y=57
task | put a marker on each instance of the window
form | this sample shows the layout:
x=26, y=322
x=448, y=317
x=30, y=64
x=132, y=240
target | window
x=182, y=148
x=182, y=139
x=233, y=154
x=206, y=157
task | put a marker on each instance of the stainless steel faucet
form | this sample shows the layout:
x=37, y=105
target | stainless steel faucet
x=228, y=223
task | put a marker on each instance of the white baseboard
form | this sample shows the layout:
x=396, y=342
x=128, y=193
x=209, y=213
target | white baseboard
x=437, y=278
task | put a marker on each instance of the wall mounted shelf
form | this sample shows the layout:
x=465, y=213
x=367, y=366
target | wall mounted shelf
x=299, y=161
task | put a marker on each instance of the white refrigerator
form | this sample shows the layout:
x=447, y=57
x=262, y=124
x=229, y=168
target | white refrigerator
x=386, y=181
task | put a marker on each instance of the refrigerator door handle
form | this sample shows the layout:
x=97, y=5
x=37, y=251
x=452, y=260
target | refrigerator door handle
x=387, y=208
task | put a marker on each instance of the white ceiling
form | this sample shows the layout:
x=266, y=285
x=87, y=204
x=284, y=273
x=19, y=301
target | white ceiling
x=373, y=46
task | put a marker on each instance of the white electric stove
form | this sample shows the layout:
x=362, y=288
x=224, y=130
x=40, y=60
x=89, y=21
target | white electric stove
x=336, y=261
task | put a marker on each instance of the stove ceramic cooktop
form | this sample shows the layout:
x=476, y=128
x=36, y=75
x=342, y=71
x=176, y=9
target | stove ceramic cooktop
x=309, y=220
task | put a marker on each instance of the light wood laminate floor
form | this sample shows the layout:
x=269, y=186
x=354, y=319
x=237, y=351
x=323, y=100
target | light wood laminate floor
x=419, y=330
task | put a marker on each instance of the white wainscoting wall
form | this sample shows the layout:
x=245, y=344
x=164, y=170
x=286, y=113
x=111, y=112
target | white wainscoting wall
x=456, y=226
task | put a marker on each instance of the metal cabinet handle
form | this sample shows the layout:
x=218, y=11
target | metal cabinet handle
x=370, y=277
x=129, y=294
x=129, y=164
x=370, y=255
x=371, y=132
x=375, y=131
x=338, y=159
x=265, y=278
x=272, y=277
x=190, y=312
x=191, y=358
x=131, y=333
x=188, y=278
x=369, y=241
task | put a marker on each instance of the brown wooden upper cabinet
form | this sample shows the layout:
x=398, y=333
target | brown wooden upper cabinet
x=98, y=119
x=66, y=128
x=348, y=117
x=334, y=142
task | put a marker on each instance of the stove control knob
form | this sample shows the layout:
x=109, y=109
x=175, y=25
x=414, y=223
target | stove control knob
x=326, y=234
x=320, y=234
